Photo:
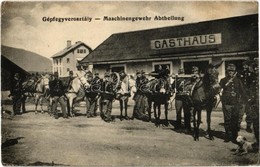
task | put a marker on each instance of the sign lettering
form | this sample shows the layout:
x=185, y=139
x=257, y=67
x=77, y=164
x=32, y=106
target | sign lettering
x=199, y=40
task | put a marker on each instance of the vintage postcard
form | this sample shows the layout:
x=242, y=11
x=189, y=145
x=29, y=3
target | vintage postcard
x=129, y=83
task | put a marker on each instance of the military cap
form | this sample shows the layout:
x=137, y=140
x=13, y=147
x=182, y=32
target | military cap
x=180, y=71
x=195, y=68
x=96, y=73
x=16, y=75
x=142, y=72
x=246, y=62
x=231, y=67
x=138, y=72
x=107, y=74
x=55, y=74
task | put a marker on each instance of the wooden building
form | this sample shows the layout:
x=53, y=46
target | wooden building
x=231, y=40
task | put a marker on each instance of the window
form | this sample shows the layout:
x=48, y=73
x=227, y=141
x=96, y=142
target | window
x=202, y=65
x=57, y=61
x=60, y=60
x=84, y=51
x=81, y=50
x=68, y=60
x=77, y=50
x=68, y=69
x=164, y=65
x=118, y=68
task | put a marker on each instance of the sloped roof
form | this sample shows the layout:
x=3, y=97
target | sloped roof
x=238, y=33
x=70, y=48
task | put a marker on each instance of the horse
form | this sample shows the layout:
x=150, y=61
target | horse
x=123, y=94
x=203, y=95
x=159, y=94
x=76, y=92
x=39, y=89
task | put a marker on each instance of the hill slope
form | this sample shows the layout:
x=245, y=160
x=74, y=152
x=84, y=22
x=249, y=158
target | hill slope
x=29, y=61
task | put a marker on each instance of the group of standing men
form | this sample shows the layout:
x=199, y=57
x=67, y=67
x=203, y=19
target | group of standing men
x=239, y=94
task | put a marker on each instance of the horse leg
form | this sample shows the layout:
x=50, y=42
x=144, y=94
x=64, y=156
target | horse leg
x=159, y=114
x=195, y=124
x=166, y=113
x=209, y=135
x=40, y=100
x=71, y=107
x=121, y=109
x=36, y=103
x=149, y=109
x=126, y=115
x=198, y=123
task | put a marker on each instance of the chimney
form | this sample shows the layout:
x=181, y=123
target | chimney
x=68, y=43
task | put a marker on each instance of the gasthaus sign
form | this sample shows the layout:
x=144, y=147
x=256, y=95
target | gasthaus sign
x=189, y=41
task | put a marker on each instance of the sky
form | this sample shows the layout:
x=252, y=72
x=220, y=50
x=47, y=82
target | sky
x=23, y=26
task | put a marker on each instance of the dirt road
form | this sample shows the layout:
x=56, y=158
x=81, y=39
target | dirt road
x=38, y=139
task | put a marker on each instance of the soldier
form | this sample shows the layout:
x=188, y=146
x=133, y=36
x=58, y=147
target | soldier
x=16, y=93
x=232, y=92
x=107, y=97
x=182, y=101
x=91, y=98
x=140, y=97
x=96, y=82
x=246, y=78
x=254, y=102
x=57, y=93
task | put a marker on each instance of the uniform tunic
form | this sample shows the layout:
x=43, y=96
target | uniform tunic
x=182, y=101
x=106, y=100
x=232, y=92
x=246, y=78
x=16, y=92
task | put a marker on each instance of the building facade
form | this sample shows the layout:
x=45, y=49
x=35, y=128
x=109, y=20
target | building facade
x=67, y=59
x=230, y=40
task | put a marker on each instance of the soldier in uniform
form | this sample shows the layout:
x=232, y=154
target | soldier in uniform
x=246, y=78
x=140, y=97
x=16, y=93
x=95, y=82
x=107, y=97
x=91, y=98
x=182, y=101
x=254, y=102
x=232, y=92
x=57, y=93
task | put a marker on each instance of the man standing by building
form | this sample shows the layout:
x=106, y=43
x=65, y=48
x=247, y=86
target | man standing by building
x=182, y=101
x=57, y=94
x=107, y=97
x=16, y=93
x=91, y=97
x=140, y=97
x=246, y=77
x=232, y=92
x=254, y=102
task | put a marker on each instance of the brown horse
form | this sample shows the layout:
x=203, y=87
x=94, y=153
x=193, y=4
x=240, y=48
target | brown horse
x=203, y=97
x=159, y=95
